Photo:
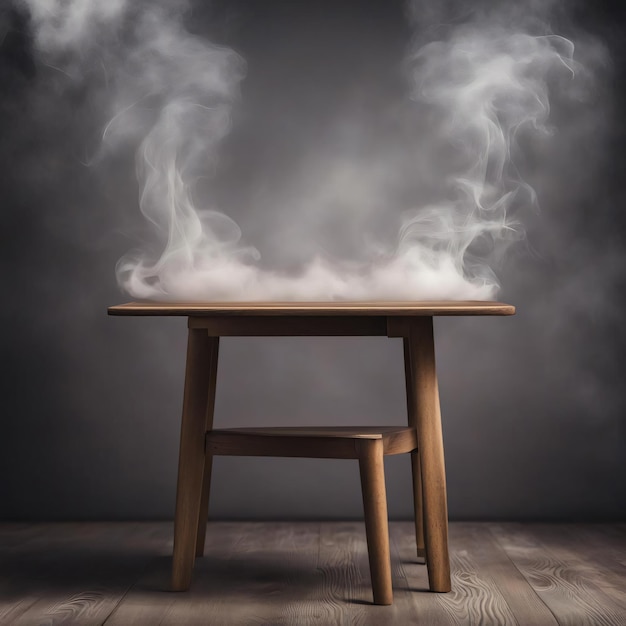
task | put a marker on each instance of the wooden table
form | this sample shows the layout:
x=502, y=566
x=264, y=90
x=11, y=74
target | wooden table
x=199, y=442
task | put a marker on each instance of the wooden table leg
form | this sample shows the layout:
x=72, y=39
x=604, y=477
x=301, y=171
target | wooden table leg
x=208, y=459
x=415, y=458
x=376, y=522
x=191, y=457
x=427, y=414
x=418, y=505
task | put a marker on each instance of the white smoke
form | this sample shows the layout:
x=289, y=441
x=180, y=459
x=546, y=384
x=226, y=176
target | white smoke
x=483, y=85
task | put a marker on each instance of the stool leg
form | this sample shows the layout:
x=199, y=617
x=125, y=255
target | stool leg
x=191, y=457
x=415, y=458
x=376, y=524
x=427, y=414
x=208, y=460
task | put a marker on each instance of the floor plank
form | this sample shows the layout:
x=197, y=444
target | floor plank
x=495, y=565
x=344, y=562
x=557, y=577
x=150, y=599
x=486, y=587
x=594, y=552
x=310, y=574
x=74, y=573
x=264, y=577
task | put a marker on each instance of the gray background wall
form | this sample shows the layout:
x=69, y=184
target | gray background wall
x=533, y=406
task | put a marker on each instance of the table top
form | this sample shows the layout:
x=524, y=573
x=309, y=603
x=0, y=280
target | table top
x=255, y=309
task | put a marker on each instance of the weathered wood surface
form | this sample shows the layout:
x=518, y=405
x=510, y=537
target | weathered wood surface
x=564, y=572
x=310, y=573
x=487, y=588
x=450, y=307
x=75, y=573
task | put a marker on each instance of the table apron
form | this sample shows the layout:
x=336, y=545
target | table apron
x=302, y=325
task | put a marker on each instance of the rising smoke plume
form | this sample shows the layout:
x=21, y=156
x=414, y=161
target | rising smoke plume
x=479, y=84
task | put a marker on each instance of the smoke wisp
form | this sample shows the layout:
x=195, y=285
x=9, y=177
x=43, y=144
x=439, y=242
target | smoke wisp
x=479, y=89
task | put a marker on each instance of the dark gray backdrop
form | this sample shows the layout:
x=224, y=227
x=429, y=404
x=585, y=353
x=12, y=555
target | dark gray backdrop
x=533, y=406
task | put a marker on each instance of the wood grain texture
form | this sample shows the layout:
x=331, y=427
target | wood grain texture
x=75, y=573
x=461, y=307
x=497, y=569
x=307, y=573
x=597, y=561
x=149, y=601
x=487, y=587
x=262, y=575
x=476, y=599
x=424, y=397
x=558, y=579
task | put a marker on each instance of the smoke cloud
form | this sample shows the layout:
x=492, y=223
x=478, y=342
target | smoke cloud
x=432, y=213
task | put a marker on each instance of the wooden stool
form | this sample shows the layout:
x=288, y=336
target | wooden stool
x=200, y=442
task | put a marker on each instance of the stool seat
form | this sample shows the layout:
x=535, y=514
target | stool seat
x=313, y=442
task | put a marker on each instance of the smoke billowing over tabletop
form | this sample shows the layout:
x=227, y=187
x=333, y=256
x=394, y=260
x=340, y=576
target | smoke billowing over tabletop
x=419, y=199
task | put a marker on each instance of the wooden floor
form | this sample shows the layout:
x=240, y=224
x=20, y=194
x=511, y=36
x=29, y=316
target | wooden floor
x=310, y=573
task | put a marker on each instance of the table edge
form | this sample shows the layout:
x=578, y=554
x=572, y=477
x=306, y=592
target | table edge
x=285, y=309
